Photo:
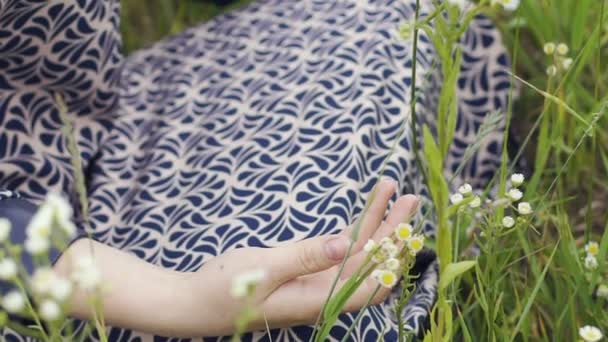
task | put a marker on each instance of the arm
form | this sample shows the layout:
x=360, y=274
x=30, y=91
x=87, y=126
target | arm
x=145, y=297
x=136, y=294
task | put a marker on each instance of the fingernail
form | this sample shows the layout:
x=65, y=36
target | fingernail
x=336, y=248
x=392, y=181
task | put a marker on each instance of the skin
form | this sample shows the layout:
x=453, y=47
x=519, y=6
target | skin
x=144, y=297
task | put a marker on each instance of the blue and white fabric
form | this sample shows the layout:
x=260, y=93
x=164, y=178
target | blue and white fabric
x=264, y=125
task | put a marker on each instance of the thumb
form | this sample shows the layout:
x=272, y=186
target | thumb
x=307, y=256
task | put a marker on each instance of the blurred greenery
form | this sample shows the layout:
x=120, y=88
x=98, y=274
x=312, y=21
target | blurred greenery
x=145, y=22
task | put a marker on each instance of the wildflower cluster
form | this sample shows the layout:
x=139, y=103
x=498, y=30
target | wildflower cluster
x=592, y=249
x=560, y=61
x=466, y=192
x=389, y=257
x=513, y=197
x=45, y=294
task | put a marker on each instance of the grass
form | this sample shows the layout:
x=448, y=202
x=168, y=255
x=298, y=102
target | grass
x=529, y=283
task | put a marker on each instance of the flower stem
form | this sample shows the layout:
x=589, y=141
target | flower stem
x=360, y=314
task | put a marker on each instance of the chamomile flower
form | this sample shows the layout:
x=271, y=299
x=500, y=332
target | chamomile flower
x=590, y=333
x=517, y=179
x=244, y=283
x=86, y=274
x=49, y=310
x=5, y=229
x=456, y=198
x=549, y=48
x=552, y=70
x=404, y=231
x=515, y=195
x=370, y=246
x=37, y=245
x=60, y=207
x=415, y=244
x=41, y=224
x=386, y=278
x=386, y=240
x=590, y=262
x=509, y=5
x=466, y=189
x=13, y=302
x=524, y=208
x=392, y=264
x=43, y=280
x=61, y=289
x=8, y=269
x=562, y=49
x=475, y=202
x=508, y=222
x=567, y=63
x=69, y=228
x=602, y=291
x=390, y=249
x=379, y=257
x=592, y=248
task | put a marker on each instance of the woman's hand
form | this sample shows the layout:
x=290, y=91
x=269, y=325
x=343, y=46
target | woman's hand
x=298, y=275
x=148, y=298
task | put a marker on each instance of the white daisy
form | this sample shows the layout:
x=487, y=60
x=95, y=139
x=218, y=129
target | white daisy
x=466, y=189
x=590, y=333
x=549, y=48
x=517, y=179
x=524, y=208
x=404, y=231
x=508, y=222
x=515, y=195
x=13, y=302
x=5, y=229
x=475, y=203
x=244, y=284
x=370, y=245
x=456, y=198
x=49, y=310
x=562, y=49
x=592, y=248
x=8, y=269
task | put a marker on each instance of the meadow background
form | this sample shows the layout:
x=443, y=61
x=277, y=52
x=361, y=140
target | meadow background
x=530, y=284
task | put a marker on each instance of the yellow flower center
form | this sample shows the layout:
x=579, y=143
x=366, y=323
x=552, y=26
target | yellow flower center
x=416, y=244
x=404, y=233
x=388, y=278
x=593, y=249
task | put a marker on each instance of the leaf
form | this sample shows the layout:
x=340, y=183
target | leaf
x=454, y=270
x=334, y=307
x=530, y=301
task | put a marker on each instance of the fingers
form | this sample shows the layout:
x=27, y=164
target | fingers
x=305, y=257
x=385, y=189
x=402, y=211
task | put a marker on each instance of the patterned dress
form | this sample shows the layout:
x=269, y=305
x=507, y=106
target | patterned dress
x=264, y=125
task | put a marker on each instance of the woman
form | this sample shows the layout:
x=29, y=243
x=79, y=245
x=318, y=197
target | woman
x=265, y=127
